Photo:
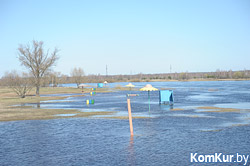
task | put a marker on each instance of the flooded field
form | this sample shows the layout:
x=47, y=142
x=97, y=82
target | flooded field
x=206, y=118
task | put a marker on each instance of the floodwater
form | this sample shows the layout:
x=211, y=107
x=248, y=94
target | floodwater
x=163, y=137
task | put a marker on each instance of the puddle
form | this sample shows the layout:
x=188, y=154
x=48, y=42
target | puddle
x=192, y=115
x=203, y=97
x=242, y=105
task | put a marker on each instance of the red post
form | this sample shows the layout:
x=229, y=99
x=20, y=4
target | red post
x=130, y=117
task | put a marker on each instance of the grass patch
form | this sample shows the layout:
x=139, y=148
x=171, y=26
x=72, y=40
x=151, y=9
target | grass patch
x=124, y=88
x=29, y=99
x=217, y=109
x=65, y=90
x=125, y=117
x=208, y=108
x=228, y=110
x=177, y=109
x=215, y=130
x=238, y=125
x=42, y=114
x=8, y=98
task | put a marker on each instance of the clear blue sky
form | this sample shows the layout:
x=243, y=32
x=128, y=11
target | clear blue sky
x=130, y=36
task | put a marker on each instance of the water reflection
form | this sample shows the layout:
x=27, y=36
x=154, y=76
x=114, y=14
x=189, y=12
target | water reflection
x=165, y=107
x=131, y=152
x=38, y=105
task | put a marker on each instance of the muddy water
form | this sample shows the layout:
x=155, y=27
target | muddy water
x=164, y=137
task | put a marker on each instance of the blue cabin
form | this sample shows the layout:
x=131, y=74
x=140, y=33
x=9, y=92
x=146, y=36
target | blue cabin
x=99, y=85
x=166, y=97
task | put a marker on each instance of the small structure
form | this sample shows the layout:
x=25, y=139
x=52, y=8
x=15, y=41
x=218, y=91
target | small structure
x=148, y=88
x=92, y=93
x=82, y=85
x=129, y=112
x=100, y=85
x=166, y=97
x=105, y=83
x=130, y=85
x=90, y=101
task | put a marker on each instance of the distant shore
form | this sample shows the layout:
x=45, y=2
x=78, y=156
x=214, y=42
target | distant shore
x=193, y=80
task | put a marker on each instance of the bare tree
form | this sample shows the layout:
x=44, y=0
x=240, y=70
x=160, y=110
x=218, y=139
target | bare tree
x=64, y=79
x=77, y=75
x=54, y=78
x=20, y=84
x=37, y=60
x=45, y=80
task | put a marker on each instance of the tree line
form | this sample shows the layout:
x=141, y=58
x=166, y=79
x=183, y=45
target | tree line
x=39, y=63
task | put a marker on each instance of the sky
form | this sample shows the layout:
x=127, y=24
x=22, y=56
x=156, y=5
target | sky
x=129, y=36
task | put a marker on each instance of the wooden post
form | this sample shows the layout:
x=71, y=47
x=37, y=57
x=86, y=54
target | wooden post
x=130, y=117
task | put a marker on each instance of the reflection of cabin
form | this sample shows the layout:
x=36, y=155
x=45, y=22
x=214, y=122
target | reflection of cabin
x=166, y=97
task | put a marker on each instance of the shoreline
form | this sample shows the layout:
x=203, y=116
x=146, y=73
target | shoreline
x=188, y=80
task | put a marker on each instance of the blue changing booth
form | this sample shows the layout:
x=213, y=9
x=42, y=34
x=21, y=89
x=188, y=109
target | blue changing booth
x=100, y=85
x=166, y=97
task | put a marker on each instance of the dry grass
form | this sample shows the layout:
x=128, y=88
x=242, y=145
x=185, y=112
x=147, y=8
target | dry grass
x=177, y=109
x=228, y=110
x=41, y=114
x=217, y=109
x=208, y=108
x=125, y=117
x=8, y=112
x=124, y=88
x=238, y=125
x=65, y=90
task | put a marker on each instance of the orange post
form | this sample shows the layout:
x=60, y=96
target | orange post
x=130, y=117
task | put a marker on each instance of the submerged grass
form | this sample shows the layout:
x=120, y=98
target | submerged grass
x=42, y=114
x=65, y=90
x=213, y=130
x=207, y=107
x=217, y=109
x=177, y=109
x=125, y=117
x=8, y=112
